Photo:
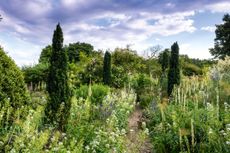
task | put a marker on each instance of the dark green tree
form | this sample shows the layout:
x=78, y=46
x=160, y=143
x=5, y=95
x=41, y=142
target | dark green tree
x=73, y=53
x=222, y=40
x=164, y=59
x=45, y=54
x=74, y=50
x=107, y=68
x=57, y=109
x=174, y=68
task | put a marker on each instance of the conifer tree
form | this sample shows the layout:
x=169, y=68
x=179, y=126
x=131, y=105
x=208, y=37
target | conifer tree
x=57, y=82
x=164, y=59
x=107, y=68
x=174, y=68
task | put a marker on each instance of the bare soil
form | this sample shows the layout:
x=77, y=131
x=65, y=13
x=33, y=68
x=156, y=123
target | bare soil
x=136, y=143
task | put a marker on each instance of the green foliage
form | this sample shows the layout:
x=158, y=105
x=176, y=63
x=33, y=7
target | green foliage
x=12, y=85
x=128, y=59
x=57, y=82
x=74, y=50
x=98, y=93
x=222, y=41
x=191, y=69
x=164, y=59
x=126, y=62
x=119, y=77
x=36, y=76
x=174, y=68
x=82, y=92
x=45, y=54
x=220, y=76
x=143, y=85
x=89, y=68
x=194, y=121
x=107, y=69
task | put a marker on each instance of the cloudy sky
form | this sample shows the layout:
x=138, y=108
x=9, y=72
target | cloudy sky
x=27, y=25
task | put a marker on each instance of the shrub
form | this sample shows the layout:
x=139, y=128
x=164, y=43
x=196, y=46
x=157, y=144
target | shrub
x=98, y=92
x=191, y=69
x=82, y=92
x=143, y=87
x=12, y=86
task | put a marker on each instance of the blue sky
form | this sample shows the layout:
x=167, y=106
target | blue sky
x=28, y=25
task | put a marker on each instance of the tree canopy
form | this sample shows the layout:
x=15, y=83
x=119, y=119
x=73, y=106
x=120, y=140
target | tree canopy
x=222, y=41
x=45, y=54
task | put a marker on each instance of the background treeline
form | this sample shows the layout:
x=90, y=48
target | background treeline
x=86, y=64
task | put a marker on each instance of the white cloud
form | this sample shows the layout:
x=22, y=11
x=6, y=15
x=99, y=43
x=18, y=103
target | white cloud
x=209, y=28
x=219, y=7
x=24, y=53
x=170, y=5
x=164, y=25
x=70, y=4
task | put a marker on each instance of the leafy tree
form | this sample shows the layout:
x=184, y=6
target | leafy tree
x=45, y=54
x=164, y=59
x=128, y=59
x=73, y=53
x=222, y=41
x=74, y=50
x=107, y=68
x=57, y=83
x=174, y=69
x=36, y=75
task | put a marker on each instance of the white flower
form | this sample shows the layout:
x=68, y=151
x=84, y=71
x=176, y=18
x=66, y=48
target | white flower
x=228, y=142
x=143, y=125
x=123, y=131
x=146, y=131
x=210, y=131
x=55, y=148
x=222, y=131
x=87, y=148
x=227, y=125
x=107, y=145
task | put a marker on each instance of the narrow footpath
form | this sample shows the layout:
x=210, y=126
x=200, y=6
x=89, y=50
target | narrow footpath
x=137, y=140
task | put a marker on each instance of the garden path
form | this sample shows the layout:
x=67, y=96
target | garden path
x=137, y=142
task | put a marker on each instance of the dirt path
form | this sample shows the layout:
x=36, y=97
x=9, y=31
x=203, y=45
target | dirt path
x=138, y=141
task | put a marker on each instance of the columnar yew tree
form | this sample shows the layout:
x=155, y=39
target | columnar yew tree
x=57, y=82
x=107, y=68
x=222, y=41
x=164, y=59
x=174, y=68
